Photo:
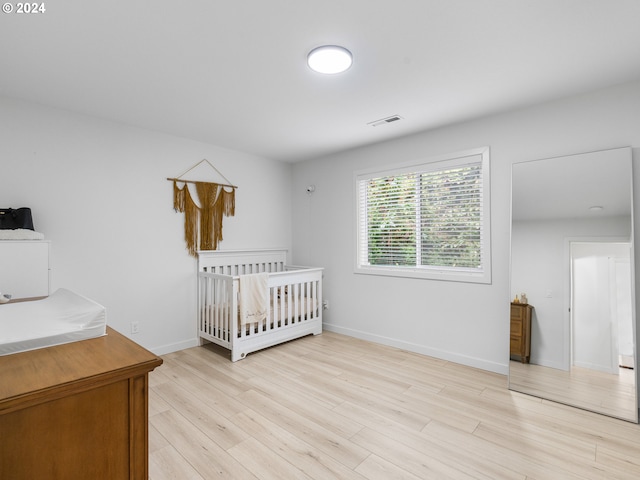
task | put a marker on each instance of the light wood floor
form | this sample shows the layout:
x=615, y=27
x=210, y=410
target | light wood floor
x=331, y=406
x=606, y=393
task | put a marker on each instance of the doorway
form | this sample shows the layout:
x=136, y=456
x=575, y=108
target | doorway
x=601, y=310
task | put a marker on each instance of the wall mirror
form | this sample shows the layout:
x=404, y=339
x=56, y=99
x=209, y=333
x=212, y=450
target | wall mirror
x=572, y=282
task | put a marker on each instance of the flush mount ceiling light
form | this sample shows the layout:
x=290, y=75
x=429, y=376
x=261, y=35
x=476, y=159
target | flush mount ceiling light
x=596, y=208
x=329, y=59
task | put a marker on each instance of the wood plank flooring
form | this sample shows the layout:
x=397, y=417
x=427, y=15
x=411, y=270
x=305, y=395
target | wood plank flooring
x=335, y=407
x=606, y=393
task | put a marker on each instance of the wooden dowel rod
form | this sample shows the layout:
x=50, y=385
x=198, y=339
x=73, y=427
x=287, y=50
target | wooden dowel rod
x=194, y=181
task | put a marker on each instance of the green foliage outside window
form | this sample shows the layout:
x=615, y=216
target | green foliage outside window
x=391, y=220
x=438, y=214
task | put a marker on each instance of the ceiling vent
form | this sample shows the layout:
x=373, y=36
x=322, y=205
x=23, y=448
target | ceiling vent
x=384, y=121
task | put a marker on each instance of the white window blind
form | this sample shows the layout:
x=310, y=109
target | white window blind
x=428, y=220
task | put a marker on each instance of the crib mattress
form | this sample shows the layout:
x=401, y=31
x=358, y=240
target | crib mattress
x=63, y=317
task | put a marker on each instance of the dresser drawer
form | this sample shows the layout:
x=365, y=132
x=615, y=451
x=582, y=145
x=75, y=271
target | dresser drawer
x=516, y=328
x=520, y=333
x=517, y=313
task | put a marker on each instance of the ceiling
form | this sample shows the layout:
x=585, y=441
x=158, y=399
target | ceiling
x=565, y=188
x=233, y=73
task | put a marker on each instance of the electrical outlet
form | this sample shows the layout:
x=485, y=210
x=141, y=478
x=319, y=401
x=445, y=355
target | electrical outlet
x=135, y=327
x=325, y=304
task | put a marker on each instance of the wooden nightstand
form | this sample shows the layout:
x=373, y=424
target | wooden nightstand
x=520, y=332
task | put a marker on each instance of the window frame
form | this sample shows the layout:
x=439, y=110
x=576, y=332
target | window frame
x=437, y=163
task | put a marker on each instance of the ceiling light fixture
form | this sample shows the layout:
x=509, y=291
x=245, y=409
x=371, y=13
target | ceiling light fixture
x=596, y=208
x=329, y=59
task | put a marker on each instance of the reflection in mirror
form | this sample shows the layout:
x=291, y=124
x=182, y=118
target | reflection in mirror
x=572, y=311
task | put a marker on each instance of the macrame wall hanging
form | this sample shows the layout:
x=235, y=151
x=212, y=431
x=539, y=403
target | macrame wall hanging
x=203, y=223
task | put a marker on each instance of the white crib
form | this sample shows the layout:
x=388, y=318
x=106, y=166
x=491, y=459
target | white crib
x=295, y=297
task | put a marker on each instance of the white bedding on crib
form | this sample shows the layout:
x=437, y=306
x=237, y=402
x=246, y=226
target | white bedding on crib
x=63, y=317
x=254, y=297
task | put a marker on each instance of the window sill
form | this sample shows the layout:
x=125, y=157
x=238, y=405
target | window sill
x=441, y=274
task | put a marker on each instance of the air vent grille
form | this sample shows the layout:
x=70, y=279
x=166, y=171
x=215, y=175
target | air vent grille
x=385, y=121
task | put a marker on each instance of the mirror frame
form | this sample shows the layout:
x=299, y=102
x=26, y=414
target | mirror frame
x=627, y=414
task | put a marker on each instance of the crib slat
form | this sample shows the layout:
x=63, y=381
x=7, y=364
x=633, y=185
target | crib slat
x=286, y=300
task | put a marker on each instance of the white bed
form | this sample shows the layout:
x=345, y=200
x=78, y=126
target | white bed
x=63, y=317
x=293, y=300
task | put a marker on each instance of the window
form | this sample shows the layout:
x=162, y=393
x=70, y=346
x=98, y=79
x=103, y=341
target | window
x=426, y=220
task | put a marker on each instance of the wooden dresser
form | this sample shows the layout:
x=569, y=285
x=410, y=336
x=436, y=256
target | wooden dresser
x=520, y=332
x=76, y=411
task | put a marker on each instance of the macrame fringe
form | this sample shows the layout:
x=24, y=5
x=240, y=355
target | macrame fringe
x=209, y=221
x=178, y=197
x=228, y=202
x=203, y=225
x=191, y=220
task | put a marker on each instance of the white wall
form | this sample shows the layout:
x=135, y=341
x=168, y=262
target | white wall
x=540, y=268
x=466, y=323
x=98, y=191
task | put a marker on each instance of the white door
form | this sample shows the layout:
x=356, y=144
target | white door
x=624, y=311
x=601, y=310
x=594, y=341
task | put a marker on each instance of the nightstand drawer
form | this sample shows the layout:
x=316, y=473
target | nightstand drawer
x=516, y=327
x=515, y=345
x=517, y=312
x=520, y=331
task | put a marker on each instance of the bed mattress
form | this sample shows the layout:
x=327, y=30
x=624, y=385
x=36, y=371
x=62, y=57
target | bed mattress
x=63, y=317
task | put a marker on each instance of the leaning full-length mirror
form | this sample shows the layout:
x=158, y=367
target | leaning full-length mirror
x=572, y=282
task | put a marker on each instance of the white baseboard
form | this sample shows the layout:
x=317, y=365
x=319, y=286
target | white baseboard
x=502, y=369
x=174, y=347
